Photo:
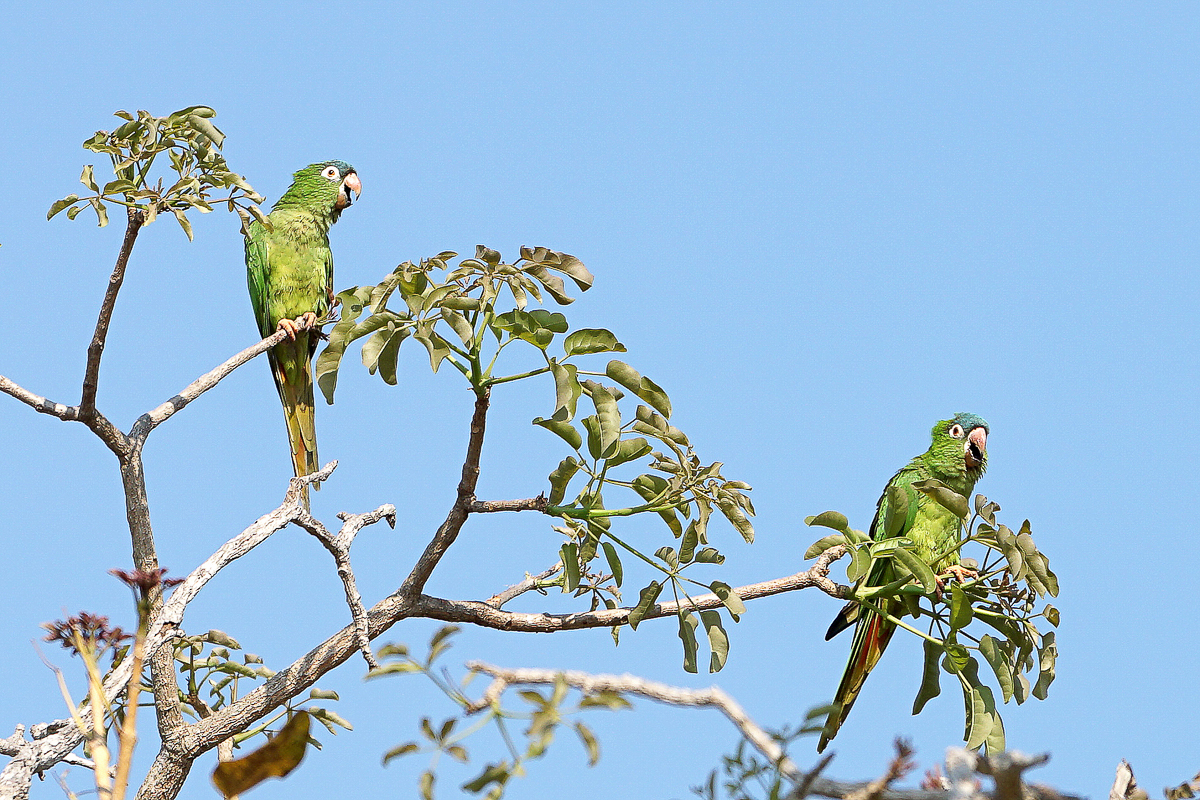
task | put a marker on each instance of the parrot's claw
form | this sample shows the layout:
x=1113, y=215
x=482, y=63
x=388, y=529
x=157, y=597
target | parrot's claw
x=289, y=327
x=958, y=572
x=293, y=326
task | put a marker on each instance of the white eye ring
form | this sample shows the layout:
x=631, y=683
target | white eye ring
x=330, y=172
x=956, y=431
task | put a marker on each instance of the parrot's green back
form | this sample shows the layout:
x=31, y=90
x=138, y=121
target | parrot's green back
x=957, y=457
x=289, y=270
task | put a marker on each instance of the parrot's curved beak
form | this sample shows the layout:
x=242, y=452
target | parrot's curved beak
x=975, y=448
x=350, y=183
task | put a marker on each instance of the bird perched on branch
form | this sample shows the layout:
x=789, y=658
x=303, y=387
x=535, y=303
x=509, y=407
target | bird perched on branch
x=289, y=269
x=957, y=457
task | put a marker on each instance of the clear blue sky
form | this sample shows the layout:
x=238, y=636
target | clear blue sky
x=821, y=228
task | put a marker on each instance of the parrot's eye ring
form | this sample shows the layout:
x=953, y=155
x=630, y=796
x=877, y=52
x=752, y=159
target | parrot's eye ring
x=331, y=172
x=956, y=431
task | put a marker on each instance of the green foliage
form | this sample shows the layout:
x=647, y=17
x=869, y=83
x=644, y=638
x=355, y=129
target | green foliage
x=1002, y=598
x=547, y=713
x=214, y=678
x=615, y=421
x=191, y=143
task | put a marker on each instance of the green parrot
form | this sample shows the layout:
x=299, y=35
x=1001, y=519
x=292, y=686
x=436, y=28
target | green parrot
x=957, y=457
x=290, y=272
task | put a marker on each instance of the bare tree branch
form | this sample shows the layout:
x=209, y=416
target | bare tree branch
x=486, y=615
x=91, y=374
x=448, y=531
x=150, y=420
x=538, y=503
x=339, y=548
x=37, y=402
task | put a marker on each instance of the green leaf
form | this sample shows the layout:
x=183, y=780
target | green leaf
x=729, y=598
x=59, y=205
x=957, y=659
x=917, y=566
x=562, y=429
x=567, y=388
x=609, y=418
x=552, y=283
x=931, y=685
x=1051, y=614
x=437, y=347
x=1047, y=655
x=996, y=656
x=646, y=600
x=570, y=559
x=687, y=547
x=995, y=742
x=401, y=750
x=687, y=635
x=644, y=388
x=860, y=563
x=561, y=476
x=946, y=497
x=829, y=519
x=629, y=450
x=589, y=743
x=592, y=340
x=87, y=180
x=709, y=555
x=493, y=773
x=102, y=217
x=439, y=642
x=737, y=518
x=591, y=424
x=610, y=700
x=458, y=323
x=614, y=563
x=824, y=543
x=897, y=517
x=180, y=217
x=960, y=608
x=978, y=717
x=718, y=640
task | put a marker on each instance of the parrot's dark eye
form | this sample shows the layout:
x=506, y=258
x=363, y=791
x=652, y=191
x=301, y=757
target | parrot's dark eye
x=956, y=431
x=331, y=172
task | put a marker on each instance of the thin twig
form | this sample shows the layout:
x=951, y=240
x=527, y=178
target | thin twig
x=517, y=589
x=91, y=374
x=447, y=532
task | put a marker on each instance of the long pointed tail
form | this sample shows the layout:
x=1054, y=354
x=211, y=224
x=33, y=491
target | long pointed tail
x=292, y=369
x=871, y=636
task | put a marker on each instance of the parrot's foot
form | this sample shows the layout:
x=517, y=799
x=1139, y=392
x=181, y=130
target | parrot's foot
x=294, y=326
x=960, y=573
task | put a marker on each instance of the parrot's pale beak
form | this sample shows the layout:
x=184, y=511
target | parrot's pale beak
x=975, y=448
x=350, y=183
